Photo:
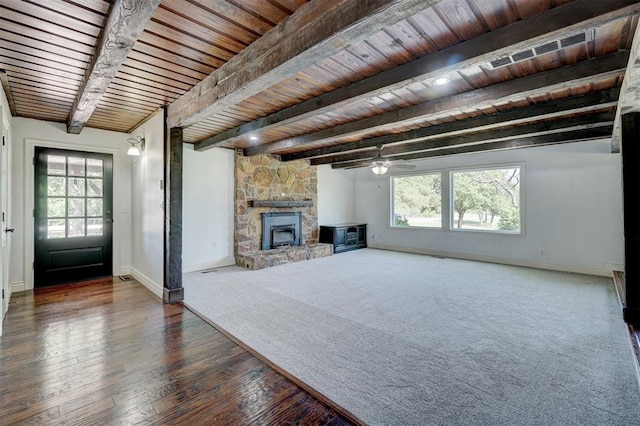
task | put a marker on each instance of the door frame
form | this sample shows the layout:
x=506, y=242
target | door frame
x=5, y=253
x=29, y=195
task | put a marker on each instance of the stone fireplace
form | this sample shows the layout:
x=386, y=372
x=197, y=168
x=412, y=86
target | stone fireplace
x=267, y=187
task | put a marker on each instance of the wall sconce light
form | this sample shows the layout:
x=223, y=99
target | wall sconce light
x=137, y=146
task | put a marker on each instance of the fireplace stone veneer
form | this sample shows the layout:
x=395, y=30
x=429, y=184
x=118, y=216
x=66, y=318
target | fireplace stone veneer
x=264, y=184
x=266, y=258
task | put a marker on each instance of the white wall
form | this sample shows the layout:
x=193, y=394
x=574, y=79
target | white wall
x=572, y=210
x=27, y=133
x=147, y=213
x=207, y=208
x=335, y=195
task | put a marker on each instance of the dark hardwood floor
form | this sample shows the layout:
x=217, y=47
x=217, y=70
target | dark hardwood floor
x=110, y=352
x=635, y=342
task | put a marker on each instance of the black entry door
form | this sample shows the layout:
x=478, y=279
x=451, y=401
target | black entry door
x=73, y=216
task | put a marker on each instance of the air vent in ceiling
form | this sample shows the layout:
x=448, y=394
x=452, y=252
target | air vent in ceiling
x=521, y=56
x=501, y=62
x=544, y=48
x=575, y=39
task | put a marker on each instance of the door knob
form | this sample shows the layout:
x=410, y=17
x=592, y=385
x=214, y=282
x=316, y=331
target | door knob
x=9, y=230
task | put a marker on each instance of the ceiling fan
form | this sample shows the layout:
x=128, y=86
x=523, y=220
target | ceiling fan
x=379, y=164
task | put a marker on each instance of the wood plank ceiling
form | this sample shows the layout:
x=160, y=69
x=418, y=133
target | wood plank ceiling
x=325, y=80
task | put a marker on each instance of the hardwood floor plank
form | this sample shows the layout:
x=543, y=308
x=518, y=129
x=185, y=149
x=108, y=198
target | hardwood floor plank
x=110, y=352
x=86, y=412
x=46, y=416
x=88, y=404
x=21, y=404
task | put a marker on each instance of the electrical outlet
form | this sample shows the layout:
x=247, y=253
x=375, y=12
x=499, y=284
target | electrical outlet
x=541, y=252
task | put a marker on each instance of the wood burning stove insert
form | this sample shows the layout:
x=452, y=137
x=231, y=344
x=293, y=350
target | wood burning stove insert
x=281, y=229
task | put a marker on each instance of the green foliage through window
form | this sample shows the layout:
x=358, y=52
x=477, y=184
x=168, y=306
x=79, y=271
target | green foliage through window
x=417, y=200
x=483, y=199
x=486, y=199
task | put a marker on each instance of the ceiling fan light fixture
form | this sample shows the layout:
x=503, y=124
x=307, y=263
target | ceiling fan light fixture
x=379, y=169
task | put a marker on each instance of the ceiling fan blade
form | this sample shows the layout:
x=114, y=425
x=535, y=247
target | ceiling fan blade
x=402, y=166
x=358, y=165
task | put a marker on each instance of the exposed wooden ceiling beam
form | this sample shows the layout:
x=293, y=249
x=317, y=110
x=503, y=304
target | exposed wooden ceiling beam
x=541, y=127
x=573, y=17
x=4, y=80
x=519, y=88
x=316, y=31
x=524, y=142
x=123, y=26
x=545, y=110
x=630, y=94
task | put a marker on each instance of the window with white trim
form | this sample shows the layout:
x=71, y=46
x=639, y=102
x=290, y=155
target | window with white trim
x=417, y=200
x=486, y=199
x=480, y=199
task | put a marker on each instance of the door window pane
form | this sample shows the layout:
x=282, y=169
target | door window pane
x=55, y=207
x=75, y=191
x=56, y=228
x=55, y=186
x=94, y=207
x=94, y=187
x=56, y=165
x=76, y=166
x=94, y=227
x=76, y=187
x=76, y=227
x=94, y=167
x=76, y=207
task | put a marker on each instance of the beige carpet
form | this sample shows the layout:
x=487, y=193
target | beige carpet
x=402, y=339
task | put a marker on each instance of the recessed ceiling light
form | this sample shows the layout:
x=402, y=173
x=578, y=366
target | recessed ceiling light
x=440, y=81
x=253, y=138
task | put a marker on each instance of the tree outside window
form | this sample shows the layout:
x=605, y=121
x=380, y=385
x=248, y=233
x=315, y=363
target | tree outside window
x=417, y=200
x=486, y=199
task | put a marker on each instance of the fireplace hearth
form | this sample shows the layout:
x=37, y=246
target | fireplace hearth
x=281, y=229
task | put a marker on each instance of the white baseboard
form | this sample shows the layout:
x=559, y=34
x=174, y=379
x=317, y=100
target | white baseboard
x=126, y=270
x=210, y=265
x=500, y=260
x=151, y=285
x=17, y=287
x=612, y=267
